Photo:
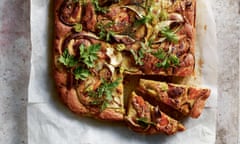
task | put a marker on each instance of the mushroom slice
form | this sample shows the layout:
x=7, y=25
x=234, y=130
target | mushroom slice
x=115, y=57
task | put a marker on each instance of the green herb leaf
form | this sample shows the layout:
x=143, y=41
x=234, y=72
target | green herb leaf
x=167, y=60
x=143, y=20
x=160, y=54
x=139, y=55
x=89, y=54
x=174, y=59
x=105, y=34
x=81, y=73
x=104, y=105
x=98, y=8
x=67, y=59
x=169, y=34
x=144, y=122
x=77, y=27
x=104, y=93
x=137, y=58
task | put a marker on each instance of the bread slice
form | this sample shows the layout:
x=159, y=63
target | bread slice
x=144, y=118
x=186, y=99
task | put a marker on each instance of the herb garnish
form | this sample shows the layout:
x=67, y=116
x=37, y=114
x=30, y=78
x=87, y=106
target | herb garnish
x=81, y=73
x=103, y=95
x=98, y=8
x=138, y=56
x=166, y=59
x=143, y=20
x=169, y=34
x=67, y=59
x=105, y=34
x=143, y=121
x=89, y=54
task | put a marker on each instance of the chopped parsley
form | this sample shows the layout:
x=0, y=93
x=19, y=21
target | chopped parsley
x=144, y=122
x=139, y=55
x=81, y=73
x=167, y=60
x=98, y=8
x=169, y=34
x=103, y=95
x=105, y=34
x=88, y=55
x=67, y=59
x=143, y=20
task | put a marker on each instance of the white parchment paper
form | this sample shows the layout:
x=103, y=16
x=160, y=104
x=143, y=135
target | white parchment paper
x=50, y=122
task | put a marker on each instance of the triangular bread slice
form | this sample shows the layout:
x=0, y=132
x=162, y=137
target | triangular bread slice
x=187, y=99
x=144, y=118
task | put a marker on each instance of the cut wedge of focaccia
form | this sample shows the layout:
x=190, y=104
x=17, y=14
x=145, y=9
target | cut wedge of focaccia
x=144, y=118
x=186, y=99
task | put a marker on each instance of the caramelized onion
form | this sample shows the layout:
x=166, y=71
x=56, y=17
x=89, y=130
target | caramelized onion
x=70, y=12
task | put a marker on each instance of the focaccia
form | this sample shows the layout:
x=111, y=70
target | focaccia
x=98, y=42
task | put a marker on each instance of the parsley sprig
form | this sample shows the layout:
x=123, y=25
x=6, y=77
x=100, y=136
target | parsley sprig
x=143, y=20
x=104, y=33
x=98, y=8
x=81, y=73
x=67, y=59
x=88, y=55
x=103, y=95
x=169, y=34
x=167, y=60
x=139, y=55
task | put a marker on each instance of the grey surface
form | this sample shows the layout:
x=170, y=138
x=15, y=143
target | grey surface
x=228, y=19
x=14, y=70
x=15, y=66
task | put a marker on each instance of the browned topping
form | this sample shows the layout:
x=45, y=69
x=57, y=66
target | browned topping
x=90, y=17
x=174, y=92
x=70, y=12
